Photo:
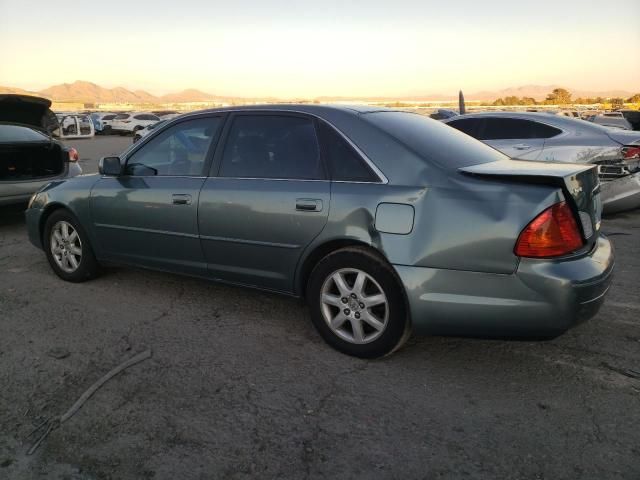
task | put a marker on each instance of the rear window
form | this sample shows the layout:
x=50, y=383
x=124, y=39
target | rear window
x=16, y=133
x=434, y=140
x=513, y=129
x=108, y=117
x=122, y=116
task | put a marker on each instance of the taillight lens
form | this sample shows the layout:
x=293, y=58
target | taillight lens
x=73, y=155
x=552, y=233
x=631, y=153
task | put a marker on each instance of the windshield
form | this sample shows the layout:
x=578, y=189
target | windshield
x=433, y=140
x=16, y=134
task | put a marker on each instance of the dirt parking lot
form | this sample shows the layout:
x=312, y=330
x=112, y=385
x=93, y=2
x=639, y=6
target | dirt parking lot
x=240, y=385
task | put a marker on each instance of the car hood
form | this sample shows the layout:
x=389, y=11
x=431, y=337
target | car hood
x=624, y=137
x=28, y=110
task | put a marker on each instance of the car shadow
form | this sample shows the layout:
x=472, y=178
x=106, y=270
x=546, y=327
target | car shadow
x=12, y=214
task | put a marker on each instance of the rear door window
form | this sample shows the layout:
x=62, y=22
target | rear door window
x=272, y=146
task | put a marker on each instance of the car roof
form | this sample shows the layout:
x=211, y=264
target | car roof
x=561, y=121
x=313, y=109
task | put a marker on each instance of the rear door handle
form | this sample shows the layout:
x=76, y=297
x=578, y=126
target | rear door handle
x=522, y=146
x=181, y=199
x=309, y=205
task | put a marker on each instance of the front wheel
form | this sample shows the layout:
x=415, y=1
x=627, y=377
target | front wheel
x=357, y=303
x=68, y=249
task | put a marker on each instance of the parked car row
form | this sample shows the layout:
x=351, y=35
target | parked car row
x=128, y=123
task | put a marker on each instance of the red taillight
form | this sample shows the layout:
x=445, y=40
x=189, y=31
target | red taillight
x=73, y=155
x=631, y=153
x=552, y=233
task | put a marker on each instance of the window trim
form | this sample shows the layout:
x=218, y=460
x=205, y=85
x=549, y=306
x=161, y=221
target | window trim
x=169, y=124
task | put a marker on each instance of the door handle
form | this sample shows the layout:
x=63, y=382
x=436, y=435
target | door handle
x=308, y=205
x=522, y=146
x=181, y=199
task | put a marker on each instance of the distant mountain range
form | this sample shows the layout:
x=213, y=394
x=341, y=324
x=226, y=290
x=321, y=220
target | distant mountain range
x=88, y=92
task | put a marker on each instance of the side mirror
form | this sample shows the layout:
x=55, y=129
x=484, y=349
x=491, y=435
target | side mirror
x=110, y=166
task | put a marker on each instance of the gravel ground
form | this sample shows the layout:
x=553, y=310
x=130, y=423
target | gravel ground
x=240, y=386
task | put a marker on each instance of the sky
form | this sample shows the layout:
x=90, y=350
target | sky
x=328, y=47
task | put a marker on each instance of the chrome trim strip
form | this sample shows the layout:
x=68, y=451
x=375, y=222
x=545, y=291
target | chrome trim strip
x=274, y=179
x=147, y=230
x=249, y=242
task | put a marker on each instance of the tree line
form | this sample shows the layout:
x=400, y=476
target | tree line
x=561, y=96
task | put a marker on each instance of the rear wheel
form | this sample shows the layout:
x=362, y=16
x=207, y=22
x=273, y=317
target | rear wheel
x=357, y=304
x=68, y=249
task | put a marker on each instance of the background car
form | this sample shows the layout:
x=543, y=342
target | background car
x=553, y=138
x=633, y=117
x=146, y=130
x=102, y=122
x=442, y=113
x=29, y=157
x=611, y=119
x=74, y=125
x=128, y=123
x=384, y=221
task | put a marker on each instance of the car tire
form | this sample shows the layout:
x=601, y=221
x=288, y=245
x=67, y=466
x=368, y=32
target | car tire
x=68, y=249
x=357, y=303
x=106, y=130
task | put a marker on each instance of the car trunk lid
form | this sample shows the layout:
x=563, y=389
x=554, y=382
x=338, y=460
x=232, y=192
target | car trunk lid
x=28, y=110
x=579, y=183
x=624, y=137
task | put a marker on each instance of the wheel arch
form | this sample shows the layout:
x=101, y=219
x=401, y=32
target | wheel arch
x=47, y=212
x=318, y=253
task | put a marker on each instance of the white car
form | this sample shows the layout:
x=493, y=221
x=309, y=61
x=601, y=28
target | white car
x=74, y=126
x=126, y=123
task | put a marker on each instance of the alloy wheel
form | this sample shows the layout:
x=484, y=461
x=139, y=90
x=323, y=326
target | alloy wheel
x=66, y=246
x=354, y=305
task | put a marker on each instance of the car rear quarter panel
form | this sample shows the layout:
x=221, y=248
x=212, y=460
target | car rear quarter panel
x=466, y=224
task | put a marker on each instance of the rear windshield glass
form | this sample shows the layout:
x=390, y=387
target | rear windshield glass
x=16, y=133
x=434, y=140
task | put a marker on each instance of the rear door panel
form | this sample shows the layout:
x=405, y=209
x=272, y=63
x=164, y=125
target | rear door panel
x=252, y=231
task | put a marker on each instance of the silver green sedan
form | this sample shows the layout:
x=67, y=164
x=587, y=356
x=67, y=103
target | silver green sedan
x=387, y=222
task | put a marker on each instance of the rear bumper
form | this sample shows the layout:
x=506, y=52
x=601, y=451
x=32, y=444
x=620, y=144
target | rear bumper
x=541, y=298
x=20, y=192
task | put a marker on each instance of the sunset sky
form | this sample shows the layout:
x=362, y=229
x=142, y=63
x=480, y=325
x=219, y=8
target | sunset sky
x=328, y=47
